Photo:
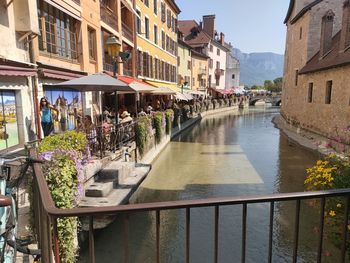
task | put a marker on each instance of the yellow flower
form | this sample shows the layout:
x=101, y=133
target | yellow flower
x=332, y=213
x=339, y=205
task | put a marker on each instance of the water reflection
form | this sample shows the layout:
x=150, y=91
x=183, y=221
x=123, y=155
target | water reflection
x=223, y=156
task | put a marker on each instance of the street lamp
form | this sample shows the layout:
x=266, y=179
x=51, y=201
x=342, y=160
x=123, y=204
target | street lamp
x=113, y=48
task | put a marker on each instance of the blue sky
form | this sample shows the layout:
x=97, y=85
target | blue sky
x=250, y=25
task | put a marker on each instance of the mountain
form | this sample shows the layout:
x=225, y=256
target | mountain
x=258, y=67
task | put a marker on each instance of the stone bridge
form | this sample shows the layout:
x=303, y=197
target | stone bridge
x=274, y=100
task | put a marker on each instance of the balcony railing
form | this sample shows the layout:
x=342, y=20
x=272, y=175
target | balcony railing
x=219, y=72
x=107, y=63
x=202, y=71
x=46, y=215
x=127, y=32
x=109, y=137
x=108, y=16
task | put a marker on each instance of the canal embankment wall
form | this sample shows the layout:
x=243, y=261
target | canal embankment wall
x=155, y=149
x=304, y=138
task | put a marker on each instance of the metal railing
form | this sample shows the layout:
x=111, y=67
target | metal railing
x=108, y=16
x=109, y=137
x=127, y=32
x=46, y=215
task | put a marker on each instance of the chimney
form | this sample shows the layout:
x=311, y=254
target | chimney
x=345, y=34
x=209, y=25
x=222, y=38
x=201, y=25
x=326, y=33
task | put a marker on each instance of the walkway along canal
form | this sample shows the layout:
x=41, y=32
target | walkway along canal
x=223, y=155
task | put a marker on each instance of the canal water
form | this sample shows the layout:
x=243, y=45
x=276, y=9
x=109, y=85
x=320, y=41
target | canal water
x=225, y=155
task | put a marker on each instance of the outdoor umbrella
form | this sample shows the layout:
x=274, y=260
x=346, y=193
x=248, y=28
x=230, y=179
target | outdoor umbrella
x=95, y=82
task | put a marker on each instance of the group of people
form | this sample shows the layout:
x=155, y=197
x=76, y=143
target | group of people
x=86, y=123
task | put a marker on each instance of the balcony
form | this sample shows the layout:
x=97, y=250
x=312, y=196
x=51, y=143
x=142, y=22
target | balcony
x=202, y=72
x=127, y=32
x=108, y=16
x=219, y=72
x=107, y=63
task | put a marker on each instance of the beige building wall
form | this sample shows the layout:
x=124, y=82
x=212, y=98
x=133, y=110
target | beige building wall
x=303, y=41
x=200, y=73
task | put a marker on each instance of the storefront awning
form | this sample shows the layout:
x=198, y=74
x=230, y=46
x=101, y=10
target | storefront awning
x=224, y=91
x=17, y=71
x=180, y=96
x=137, y=85
x=197, y=92
x=163, y=91
x=173, y=87
x=57, y=74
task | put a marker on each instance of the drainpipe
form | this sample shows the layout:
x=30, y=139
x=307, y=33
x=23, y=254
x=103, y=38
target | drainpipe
x=35, y=91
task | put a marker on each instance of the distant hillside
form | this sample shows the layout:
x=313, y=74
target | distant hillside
x=258, y=67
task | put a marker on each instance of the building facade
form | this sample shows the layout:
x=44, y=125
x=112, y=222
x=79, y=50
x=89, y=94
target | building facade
x=185, y=66
x=317, y=67
x=18, y=26
x=232, y=69
x=204, y=39
x=157, y=42
x=200, y=71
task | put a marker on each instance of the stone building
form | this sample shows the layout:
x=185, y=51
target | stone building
x=184, y=64
x=233, y=70
x=317, y=67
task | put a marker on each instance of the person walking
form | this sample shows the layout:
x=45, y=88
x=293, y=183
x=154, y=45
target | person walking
x=46, y=116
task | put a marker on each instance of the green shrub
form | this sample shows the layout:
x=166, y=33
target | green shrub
x=169, y=117
x=158, y=125
x=142, y=128
x=63, y=171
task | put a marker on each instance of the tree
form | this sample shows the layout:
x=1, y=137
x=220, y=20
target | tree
x=278, y=84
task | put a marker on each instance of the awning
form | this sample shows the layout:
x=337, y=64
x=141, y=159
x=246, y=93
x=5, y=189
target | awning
x=173, y=87
x=188, y=96
x=137, y=85
x=64, y=8
x=197, y=92
x=95, y=82
x=57, y=74
x=224, y=91
x=163, y=91
x=17, y=71
x=180, y=96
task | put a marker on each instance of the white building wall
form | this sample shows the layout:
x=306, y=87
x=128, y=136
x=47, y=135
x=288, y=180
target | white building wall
x=217, y=58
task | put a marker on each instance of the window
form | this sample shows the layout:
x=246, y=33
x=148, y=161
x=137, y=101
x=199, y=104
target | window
x=193, y=81
x=296, y=77
x=188, y=64
x=211, y=48
x=147, y=27
x=210, y=63
x=138, y=21
x=218, y=52
x=218, y=64
x=9, y=135
x=146, y=3
x=233, y=76
x=57, y=32
x=310, y=91
x=155, y=32
x=155, y=7
x=217, y=82
x=300, y=33
x=163, y=40
x=328, y=92
x=162, y=7
x=168, y=18
x=92, y=43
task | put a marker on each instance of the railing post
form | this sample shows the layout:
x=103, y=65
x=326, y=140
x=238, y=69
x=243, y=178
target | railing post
x=296, y=231
x=188, y=228
x=216, y=234
x=91, y=240
x=126, y=238
x=272, y=208
x=244, y=232
x=320, y=240
x=158, y=236
x=56, y=241
x=345, y=229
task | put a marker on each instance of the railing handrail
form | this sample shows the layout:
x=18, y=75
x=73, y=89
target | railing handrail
x=52, y=210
